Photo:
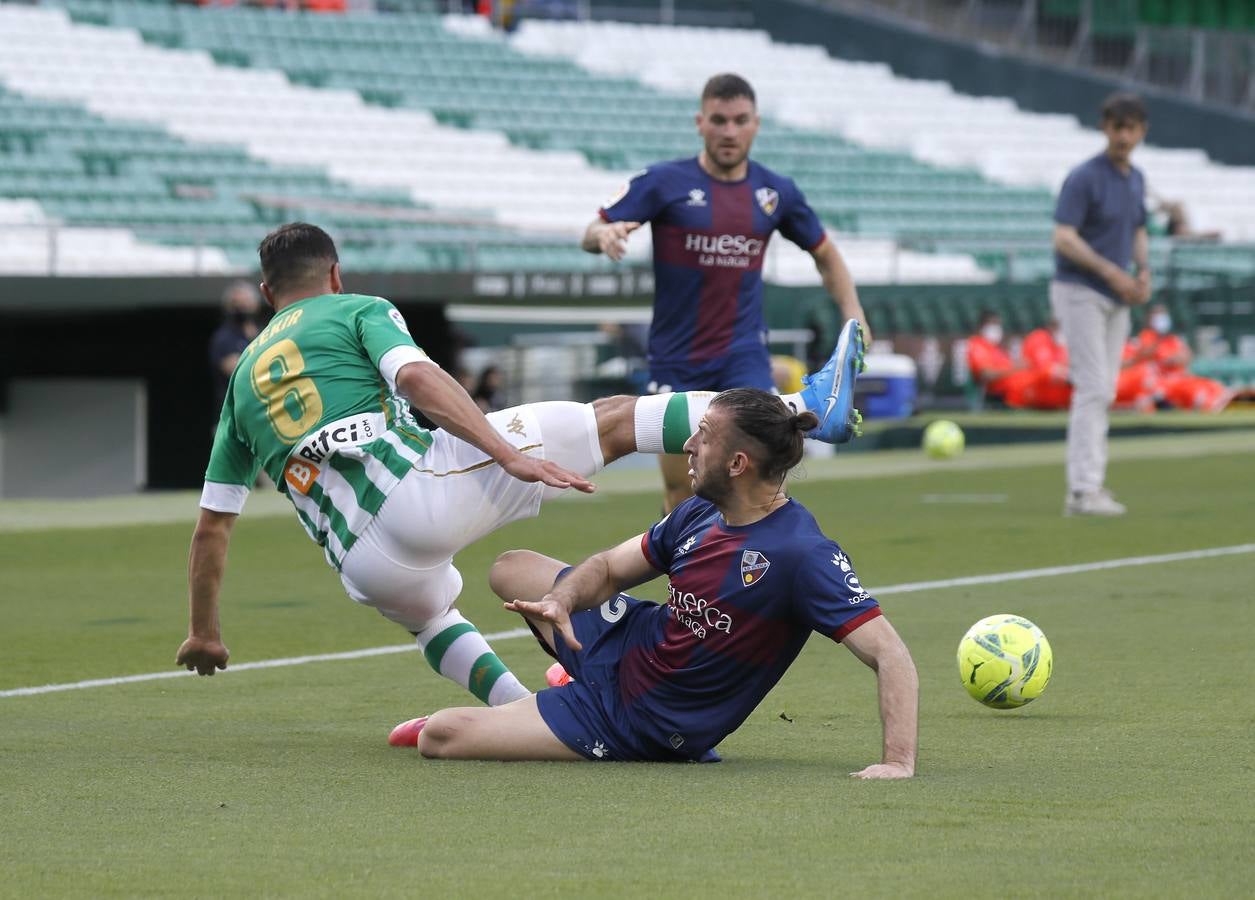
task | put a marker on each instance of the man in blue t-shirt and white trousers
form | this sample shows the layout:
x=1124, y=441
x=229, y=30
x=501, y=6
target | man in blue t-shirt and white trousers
x=1100, y=228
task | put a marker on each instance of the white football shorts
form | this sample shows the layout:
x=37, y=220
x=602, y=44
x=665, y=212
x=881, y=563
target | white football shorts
x=402, y=564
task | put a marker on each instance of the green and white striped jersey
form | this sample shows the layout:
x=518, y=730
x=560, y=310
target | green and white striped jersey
x=313, y=401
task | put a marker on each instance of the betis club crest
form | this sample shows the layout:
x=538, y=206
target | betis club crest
x=753, y=567
x=767, y=200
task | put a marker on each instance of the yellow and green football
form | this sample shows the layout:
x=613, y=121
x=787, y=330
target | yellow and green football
x=1005, y=661
x=943, y=439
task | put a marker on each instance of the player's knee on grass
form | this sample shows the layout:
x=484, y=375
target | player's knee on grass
x=439, y=736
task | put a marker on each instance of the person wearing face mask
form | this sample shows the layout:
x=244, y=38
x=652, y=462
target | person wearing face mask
x=1100, y=232
x=1167, y=357
x=1018, y=386
x=241, y=320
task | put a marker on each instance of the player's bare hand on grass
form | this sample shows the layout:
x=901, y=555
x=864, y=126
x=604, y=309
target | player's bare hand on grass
x=548, y=610
x=612, y=238
x=526, y=468
x=202, y=655
x=884, y=771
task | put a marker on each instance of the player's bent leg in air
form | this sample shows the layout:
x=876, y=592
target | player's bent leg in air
x=528, y=575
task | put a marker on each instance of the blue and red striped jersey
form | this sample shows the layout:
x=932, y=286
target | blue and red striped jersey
x=742, y=602
x=710, y=238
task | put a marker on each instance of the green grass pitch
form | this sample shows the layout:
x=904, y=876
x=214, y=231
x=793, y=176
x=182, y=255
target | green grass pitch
x=1132, y=776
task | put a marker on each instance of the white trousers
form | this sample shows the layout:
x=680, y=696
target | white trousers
x=1095, y=328
x=402, y=564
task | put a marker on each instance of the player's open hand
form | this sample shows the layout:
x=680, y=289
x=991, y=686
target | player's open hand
x=202, y=655
x=612, y=238
x=884, y=771
x=527, y=468
x=548, y=609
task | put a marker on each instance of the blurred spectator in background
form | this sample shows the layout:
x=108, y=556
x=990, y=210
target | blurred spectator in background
x=1167, y=358
x=241, y=320
x=1100, y=230
x=487, y=392
x=1045, y=353
x=1001, y=378
x=1045, y=349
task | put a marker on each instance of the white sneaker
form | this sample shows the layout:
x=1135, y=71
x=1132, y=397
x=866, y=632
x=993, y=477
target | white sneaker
x=1093, y=503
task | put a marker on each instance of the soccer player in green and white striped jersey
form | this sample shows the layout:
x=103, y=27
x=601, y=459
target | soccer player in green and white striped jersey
x=320, y=400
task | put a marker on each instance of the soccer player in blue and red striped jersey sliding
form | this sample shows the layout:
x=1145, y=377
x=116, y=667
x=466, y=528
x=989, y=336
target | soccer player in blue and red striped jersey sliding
x=751, y=576
x=712, y=216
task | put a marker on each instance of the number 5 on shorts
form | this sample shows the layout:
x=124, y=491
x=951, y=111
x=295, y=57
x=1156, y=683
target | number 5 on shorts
x=292, y=402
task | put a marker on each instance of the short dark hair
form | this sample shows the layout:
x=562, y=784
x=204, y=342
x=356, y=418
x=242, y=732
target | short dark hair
x=986, y=316
x=727, y=86
x=1123, y=107
x=295, y=253
x=776, y=433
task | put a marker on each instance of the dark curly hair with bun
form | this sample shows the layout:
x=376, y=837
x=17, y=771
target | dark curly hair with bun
x=776, y=434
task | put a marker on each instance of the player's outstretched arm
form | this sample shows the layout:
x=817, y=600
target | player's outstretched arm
x=591, y=583
x=433, y=390
x=203, y=651
x=839, y=284
x=877, y=644
x=609, y=238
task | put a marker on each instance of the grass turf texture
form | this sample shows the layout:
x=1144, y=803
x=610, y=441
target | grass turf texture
x=1129, y=777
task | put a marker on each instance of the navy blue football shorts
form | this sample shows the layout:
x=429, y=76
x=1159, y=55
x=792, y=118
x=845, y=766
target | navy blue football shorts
x=588, y=714
x=746, y=369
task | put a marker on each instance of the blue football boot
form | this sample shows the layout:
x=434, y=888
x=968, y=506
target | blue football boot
x=829, y=393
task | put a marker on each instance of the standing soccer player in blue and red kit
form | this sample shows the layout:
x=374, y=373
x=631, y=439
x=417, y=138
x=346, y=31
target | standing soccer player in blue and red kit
x=712, y=217
x=751, y=576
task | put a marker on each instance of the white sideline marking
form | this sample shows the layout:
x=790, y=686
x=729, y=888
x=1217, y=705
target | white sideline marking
x=963, y=498
x=909, y=587
x=242, y=667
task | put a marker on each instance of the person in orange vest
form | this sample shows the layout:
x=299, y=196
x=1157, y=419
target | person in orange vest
x=1015, y=385
x=1046, y=353
x=1168, y=357
x=1138, y=382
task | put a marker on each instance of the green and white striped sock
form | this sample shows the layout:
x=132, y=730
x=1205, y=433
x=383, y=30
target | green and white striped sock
x=456, y=650
x=665, y=421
